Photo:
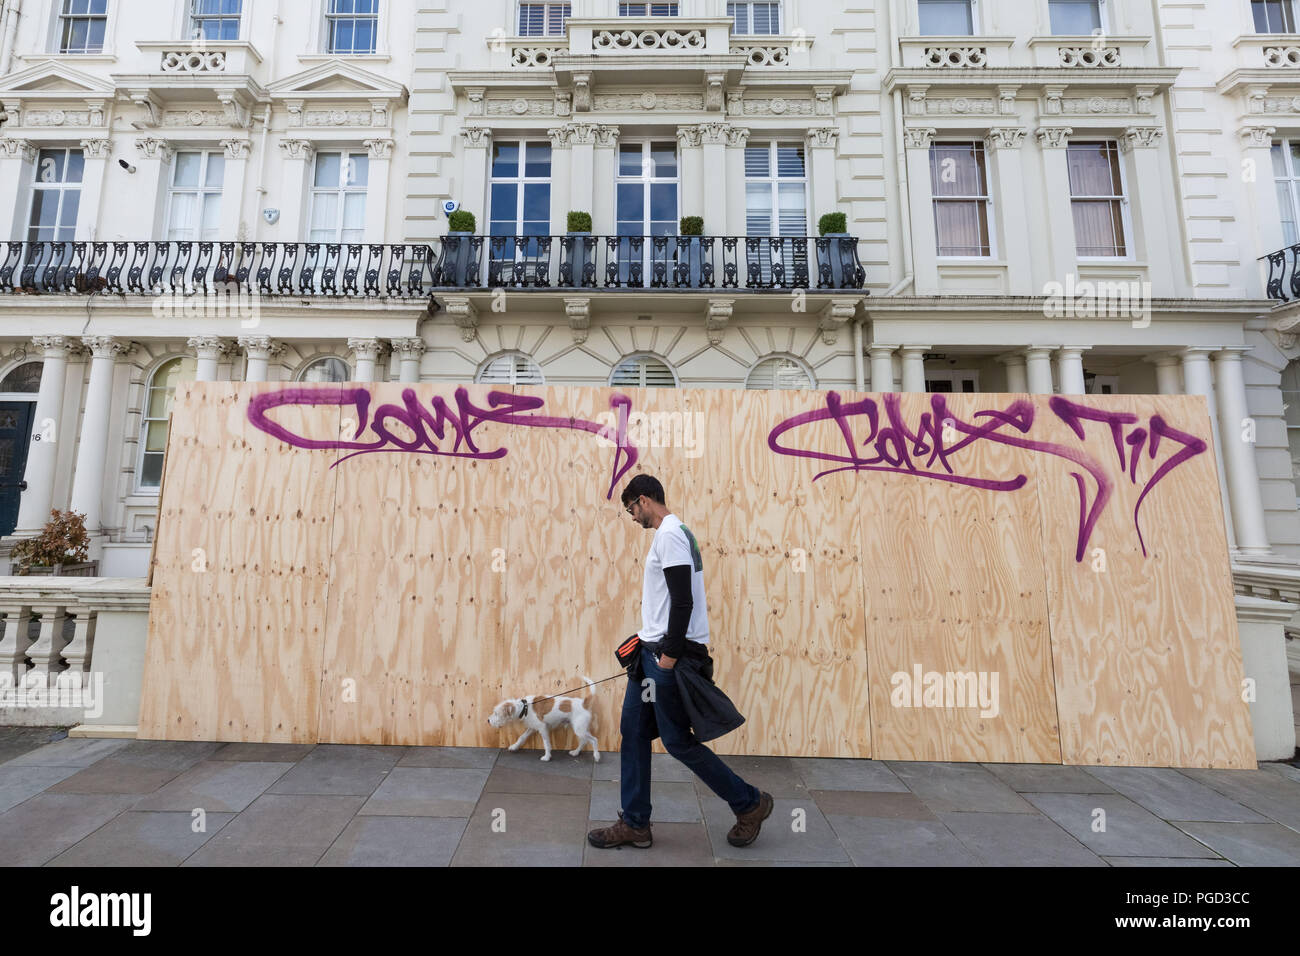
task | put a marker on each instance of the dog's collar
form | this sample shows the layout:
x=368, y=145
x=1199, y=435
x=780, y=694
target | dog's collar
x=523, y=713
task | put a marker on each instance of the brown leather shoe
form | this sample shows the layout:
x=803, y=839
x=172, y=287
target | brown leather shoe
x=619, y=834
x=748, y=824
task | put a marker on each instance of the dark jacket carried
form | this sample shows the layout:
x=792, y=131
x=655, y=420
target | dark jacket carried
x=711, y=712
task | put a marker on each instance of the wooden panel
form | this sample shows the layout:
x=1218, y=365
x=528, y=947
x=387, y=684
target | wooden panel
x=237, y=612
x=1148, y=658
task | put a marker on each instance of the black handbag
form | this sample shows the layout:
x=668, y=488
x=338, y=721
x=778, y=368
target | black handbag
x=629, y=651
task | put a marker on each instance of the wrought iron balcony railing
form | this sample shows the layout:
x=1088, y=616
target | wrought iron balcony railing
x=1283, y=274
x=417, y=270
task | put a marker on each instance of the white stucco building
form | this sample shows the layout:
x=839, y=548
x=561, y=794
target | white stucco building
x=1003, y=167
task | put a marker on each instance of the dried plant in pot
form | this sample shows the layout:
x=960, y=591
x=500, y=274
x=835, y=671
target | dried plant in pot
x=62, y=548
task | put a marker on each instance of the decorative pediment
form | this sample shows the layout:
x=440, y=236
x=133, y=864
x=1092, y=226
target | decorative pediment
x=52, y=80
x=337, y=81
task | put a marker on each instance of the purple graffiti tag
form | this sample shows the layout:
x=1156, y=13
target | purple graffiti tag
x=899, y=449
x=431, y=425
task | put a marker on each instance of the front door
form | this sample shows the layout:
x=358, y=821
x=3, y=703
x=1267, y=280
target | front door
x=15, y=438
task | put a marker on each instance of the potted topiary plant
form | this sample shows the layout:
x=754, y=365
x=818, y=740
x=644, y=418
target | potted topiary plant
x=578, y=266
x=455, y=265
x=61, y=548
x=691, y=254
x=835, y=243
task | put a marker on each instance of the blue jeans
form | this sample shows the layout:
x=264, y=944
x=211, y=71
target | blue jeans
x=667, y=714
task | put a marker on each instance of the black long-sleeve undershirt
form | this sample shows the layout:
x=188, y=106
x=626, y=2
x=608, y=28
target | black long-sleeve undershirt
x=673, y=643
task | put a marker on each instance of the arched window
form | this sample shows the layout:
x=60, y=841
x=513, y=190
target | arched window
x=328, y=369
x=643, y=371
x=159, y=398
x=779, y=372
x=24, y=378
x=513, y=368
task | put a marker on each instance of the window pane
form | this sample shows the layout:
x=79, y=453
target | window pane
x=663, y=203
x=182, y=215
x=76, y=169
x=790, y=161
x=216, y=170
x=794, y=209
x=1075, y=17
x=1093, y=171
x=956, y=170
x=1286, y=210
x=1279, y=160
x=629, y=159
x=537, y=203
x=324, y=217
x=961, y=228
x=68, y=214
x=944, y=17
x=505, y=206
x=664, y=158
x=50, y=166
x=354, y=212
x=1098, y=229
x=187, y=169
x=358, y=171
x=631, y=208
x=211, y=216
x=758, y=209
x=537, y=161
x=505, y=159
x=327, y=170
x=758, y=161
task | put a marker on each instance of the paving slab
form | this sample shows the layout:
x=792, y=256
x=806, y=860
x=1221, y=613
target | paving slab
x=1015, y=839
x=16, y=741
x=340, y=770
x=1249, y=844
x=1046, y=778
x=831, y=773
x=1286, y=770
x=147, y=838
x=465, y=758
x=39, y=829
x=19, y=783
x=662, y=767
x=560, y=764
x=525, y=829
x=780, y=863
x=774, y=775
x=1164, y=861
x=807, y=837
x=427, y=792
x=1172, y=795
x=111, y=775
x=165, y=754
x=888, y=805
x=881, y=841
x=670, y=802
x=1129, y=829
x=70, y=752
x=280, y=830
x=675, y=844
x=216, y=786
x=1270, y=794
x=396, y=841
x=505, y=780
x=271, y=753
x=959, y=786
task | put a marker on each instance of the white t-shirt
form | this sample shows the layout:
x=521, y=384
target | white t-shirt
x=673, y=545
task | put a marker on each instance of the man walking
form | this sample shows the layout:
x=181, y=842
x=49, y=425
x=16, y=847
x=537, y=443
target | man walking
x=674, y=622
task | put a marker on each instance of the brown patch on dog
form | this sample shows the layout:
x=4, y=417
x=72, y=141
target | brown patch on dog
x=542, y=707
x=564, y=706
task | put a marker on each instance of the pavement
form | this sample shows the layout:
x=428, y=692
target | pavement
x=97, y=802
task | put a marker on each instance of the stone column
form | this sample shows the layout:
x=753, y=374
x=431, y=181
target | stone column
x=1168, y=374
x=381, y=163
x=1239, y=456
x=1038, y=369
x=561, y=178
x=98, y=153
x=153, y=174
x=925, y=264
x=692, y=171
x=1070, y=366
x=259, y=349
x=233, y=227
x=1154, y=213
x=1002, y=145
x=367, y=353
x=914, y=367
x=410, y=351
x=1197, y=380
x=88, y=479
x=475, y=164
x=17, y=157
x=208, y=349
x=1053, y=142
x=882, y=368
x=42, y=455
x=298, y=156
x=715, y=201
x=737, y=139
x=605, y=163
x=1017, y=376
x=820, y=147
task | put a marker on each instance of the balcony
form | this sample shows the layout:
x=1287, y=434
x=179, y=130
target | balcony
x=758, y=264
x=1283, y=283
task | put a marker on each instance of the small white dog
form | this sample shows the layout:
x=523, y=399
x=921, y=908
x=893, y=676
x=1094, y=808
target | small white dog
x=546, y=714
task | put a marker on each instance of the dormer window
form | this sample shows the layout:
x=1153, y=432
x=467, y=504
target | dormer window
x=755, y=19
x=543, y=19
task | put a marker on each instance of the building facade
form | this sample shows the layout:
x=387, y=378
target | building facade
x=1070, y=196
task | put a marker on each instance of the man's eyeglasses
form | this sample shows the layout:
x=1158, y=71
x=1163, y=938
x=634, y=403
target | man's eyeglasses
x=634, y=503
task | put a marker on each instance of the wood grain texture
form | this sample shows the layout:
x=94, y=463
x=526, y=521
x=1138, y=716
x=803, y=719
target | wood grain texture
x=396, y=597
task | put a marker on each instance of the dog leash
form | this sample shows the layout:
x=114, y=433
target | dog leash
x=583, y=687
